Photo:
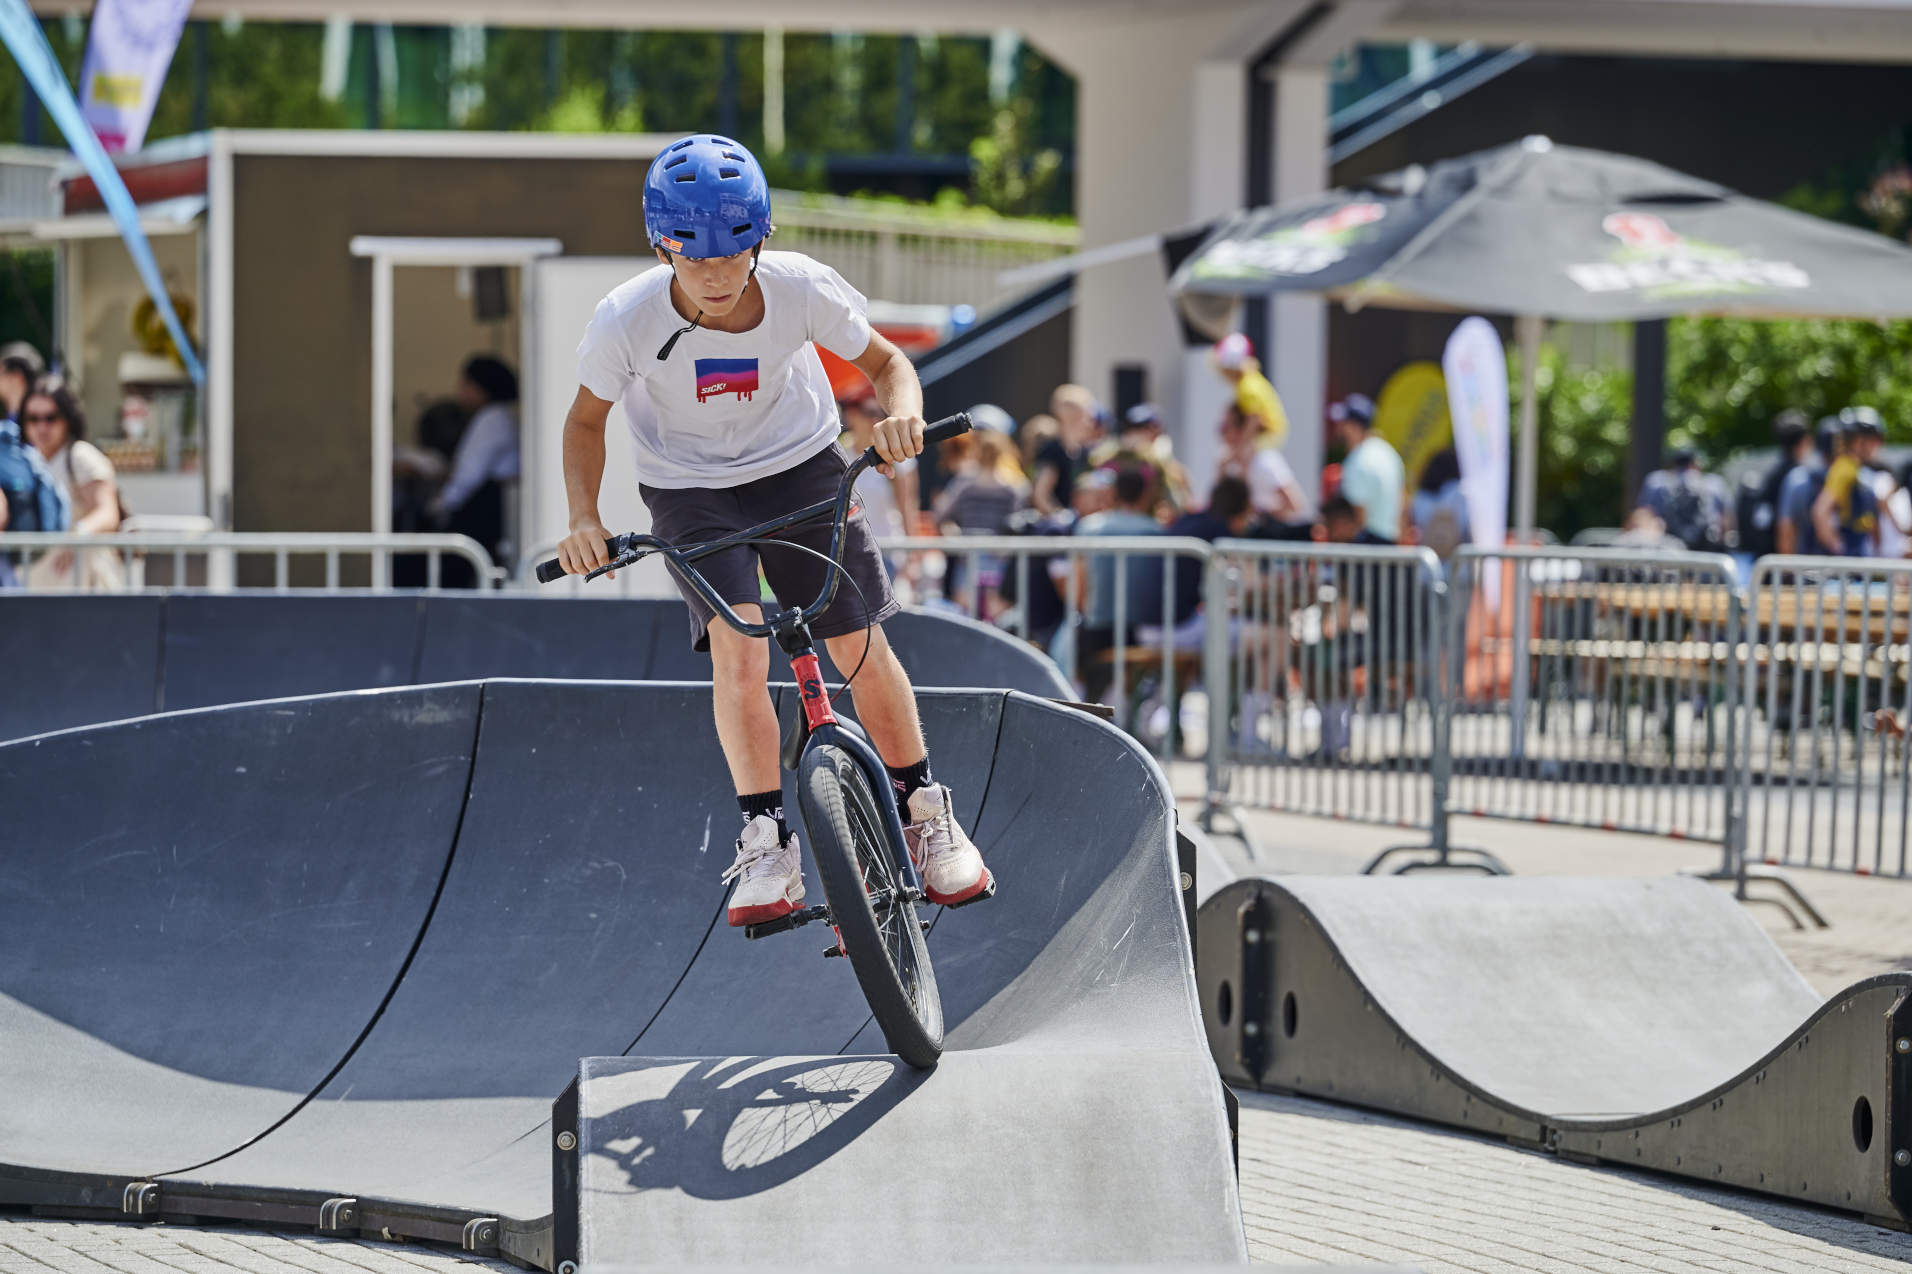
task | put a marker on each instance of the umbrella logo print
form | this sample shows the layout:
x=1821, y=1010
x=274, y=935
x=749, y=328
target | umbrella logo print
x=1308, y=248
x=1657, y=261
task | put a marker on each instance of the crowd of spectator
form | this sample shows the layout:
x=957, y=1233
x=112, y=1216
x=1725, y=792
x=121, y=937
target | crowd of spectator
x=52, y=478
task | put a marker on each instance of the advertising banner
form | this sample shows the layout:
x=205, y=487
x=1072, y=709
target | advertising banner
x=128, y=48
x=1476, y=366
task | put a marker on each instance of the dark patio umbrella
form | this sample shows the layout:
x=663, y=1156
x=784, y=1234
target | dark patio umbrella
x=1544, y=231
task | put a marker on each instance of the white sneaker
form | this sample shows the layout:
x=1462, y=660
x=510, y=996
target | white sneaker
x=769, y=876
x=952, y=869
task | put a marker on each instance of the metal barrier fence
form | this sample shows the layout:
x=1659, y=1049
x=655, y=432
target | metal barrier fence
x=1825, y=779
x=1325, y=681
x=1596, y=688
x=222, y=560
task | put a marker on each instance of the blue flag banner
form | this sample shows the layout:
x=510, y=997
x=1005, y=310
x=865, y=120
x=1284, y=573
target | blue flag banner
x=27, y=42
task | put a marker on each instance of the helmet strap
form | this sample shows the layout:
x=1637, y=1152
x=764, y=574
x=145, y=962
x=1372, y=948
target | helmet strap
x=756, y=253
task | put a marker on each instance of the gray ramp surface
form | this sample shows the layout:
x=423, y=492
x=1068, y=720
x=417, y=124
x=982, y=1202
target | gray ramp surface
x=201, y=912
x=92, y=658
x=231, y=649
x=101, y=659
x=1069, y=1121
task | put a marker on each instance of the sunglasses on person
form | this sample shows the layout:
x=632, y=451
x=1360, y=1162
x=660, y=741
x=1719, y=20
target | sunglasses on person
x=42, y=418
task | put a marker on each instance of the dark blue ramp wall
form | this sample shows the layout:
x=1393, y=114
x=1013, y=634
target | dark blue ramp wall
x=201, y=912
x=76, y=660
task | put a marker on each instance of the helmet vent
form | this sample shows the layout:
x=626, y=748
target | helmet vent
x=686, y=177
x=722, y=141
x=740, y=228
x=680, y=145
x=681, y=159
x=683, y=234
x=731, y=154
x=728, y=173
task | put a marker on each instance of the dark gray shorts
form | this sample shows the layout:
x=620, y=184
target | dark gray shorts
x=695, y=515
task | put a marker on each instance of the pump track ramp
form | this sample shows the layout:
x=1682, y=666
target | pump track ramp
x=1645, y=1023
x=329, y=961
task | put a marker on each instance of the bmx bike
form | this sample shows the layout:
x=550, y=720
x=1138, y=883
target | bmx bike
x=871, y=888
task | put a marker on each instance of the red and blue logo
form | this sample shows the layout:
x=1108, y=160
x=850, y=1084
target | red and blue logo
x=719, y=376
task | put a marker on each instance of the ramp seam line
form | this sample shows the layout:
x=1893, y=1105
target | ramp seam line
x=398, y=980
x=159, y=658
x=415, y=672
x=684, y=973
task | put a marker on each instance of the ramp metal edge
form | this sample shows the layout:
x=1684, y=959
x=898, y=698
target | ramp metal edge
x=1825, y=1117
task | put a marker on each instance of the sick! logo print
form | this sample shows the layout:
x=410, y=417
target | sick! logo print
x=719, y=376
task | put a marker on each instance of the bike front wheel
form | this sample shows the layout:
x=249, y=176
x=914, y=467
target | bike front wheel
x=876, y=923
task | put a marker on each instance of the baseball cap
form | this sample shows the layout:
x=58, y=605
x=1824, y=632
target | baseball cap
x=1354, y=407
x=1142, y=414
x=1862, y=422
x=1233, y=350
x=26, y=353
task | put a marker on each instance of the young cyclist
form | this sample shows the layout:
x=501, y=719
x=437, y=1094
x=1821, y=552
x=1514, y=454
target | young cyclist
x=733, y=424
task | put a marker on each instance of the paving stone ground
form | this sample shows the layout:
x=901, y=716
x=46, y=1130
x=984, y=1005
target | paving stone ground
x=33, y=1245
x=1328, y=1183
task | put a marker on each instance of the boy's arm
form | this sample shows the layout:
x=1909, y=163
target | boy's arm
x=900, y=436
x=583, y=549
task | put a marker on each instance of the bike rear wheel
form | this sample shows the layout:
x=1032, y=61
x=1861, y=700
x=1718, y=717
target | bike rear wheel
x=884, y=941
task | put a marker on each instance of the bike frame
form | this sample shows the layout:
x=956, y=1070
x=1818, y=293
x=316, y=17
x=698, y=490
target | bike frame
x=792, y=631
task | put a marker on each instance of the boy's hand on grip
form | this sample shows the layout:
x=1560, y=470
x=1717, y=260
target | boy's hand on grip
x=584, y=550
x=897, y=439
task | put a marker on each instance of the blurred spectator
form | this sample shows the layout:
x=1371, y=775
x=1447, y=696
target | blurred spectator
x=1043, y=610
x=1343, y=523
x=1643, y=530
x=1439, y=506
x=1372, y=476
x=1130, y=515
x=1273, y=491
x=419, y=469
x=1226, y=517
x=33, y=501
x=20, y=366
x=1094, y=493
x=1794, y=532
x=1845, y=516
x=1032, y=435
x=890, y=503
x=55, y=425
x=1061, y=460
x=1142, y=440
x=1898, y=508
x=484, y=469
x=1254, y=394
x=1757, y=513
x=1695, y=506
x=985, y=486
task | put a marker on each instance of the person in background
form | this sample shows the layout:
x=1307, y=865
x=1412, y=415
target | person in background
x=1793, y=532
x=485, y=466
x=1142, y=439
x=1226, y=518
x=30, y=499
x=1032, y=436
x=1273, y=492
x=1757, y=514
x=1898, y=508
x=55, y=425
x=1096, y=578
x=1845, y=516
x=1696, y=506
x=1439, y=506
x=1062, y=460
x=985, y=487
x=20, y=368
x=893, y=503
x=1372, y=476
x=1254, y=394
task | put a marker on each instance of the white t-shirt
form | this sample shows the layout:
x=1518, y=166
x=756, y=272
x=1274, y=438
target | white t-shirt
x=1269, y=474
x=725, y=408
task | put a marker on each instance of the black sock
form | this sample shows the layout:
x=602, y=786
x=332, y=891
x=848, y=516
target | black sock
x=907, y=781
x=770, y=803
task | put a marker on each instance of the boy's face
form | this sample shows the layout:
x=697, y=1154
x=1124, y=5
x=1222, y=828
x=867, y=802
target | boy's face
x=713, y=284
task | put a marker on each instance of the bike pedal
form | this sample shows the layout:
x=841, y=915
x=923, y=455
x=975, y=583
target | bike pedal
x=986, y=894
x=831, y=953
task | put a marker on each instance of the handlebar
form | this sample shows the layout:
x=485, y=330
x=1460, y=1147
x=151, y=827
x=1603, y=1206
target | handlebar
x=625, y=550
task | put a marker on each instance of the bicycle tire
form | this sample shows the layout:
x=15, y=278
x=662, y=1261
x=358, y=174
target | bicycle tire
x=888, y=954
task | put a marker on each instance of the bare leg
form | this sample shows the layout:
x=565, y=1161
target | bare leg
x=746, y=719
x=885, y=703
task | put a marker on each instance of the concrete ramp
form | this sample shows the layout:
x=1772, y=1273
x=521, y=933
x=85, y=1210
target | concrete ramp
x=1641, y=1022
x=110, y=658
x=328, y=962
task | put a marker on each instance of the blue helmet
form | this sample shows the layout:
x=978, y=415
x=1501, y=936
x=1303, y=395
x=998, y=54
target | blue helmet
x=706, y=197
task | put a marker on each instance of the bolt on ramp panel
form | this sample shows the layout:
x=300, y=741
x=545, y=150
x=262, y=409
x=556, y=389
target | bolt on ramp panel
x=1074, y=1116
x=1573, y=1014
x=94, y=657
x=199, y=915
x=585, y=876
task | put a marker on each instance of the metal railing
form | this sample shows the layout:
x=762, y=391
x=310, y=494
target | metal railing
x=1595, y=688
x=225, y=560
x=1324, y=681
x=1826, y=778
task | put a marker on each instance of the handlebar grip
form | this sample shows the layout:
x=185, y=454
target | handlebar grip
x=554, y=569
x=948, y=427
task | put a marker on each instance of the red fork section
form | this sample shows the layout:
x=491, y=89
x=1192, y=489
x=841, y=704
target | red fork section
x=816, y=701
